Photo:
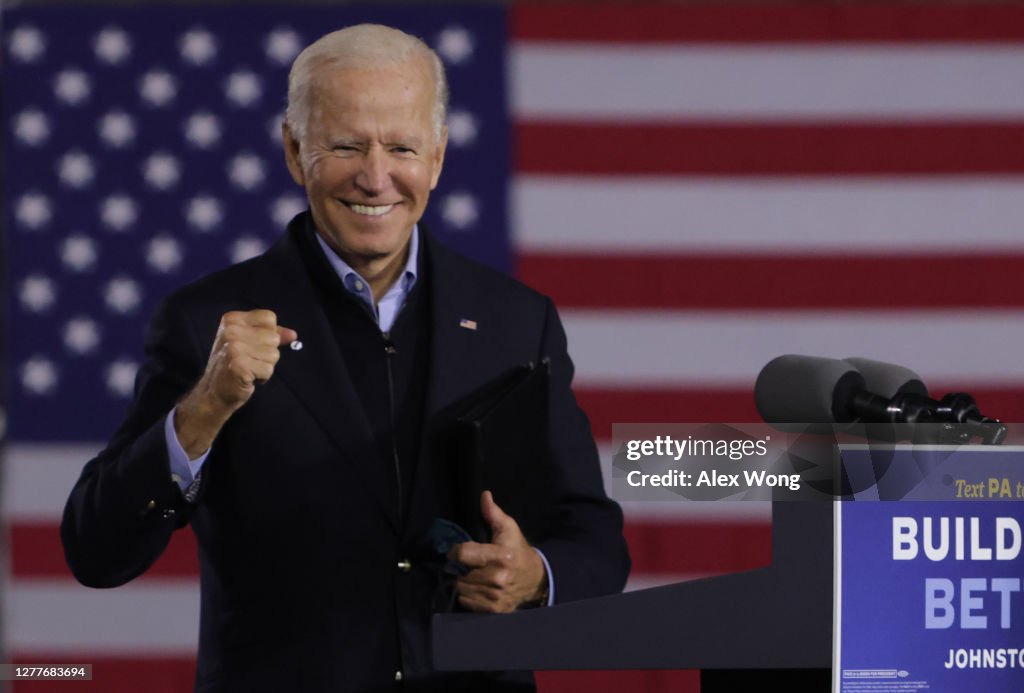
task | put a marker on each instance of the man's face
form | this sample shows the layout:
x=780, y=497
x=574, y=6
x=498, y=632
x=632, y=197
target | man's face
x=369, y=158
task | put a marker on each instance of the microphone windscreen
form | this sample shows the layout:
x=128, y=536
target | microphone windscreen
x=888, y=379
x=806, y=389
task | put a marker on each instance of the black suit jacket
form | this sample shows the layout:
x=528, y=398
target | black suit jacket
x=299, y=537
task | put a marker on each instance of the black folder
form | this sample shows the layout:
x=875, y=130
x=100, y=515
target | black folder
x=501, y=443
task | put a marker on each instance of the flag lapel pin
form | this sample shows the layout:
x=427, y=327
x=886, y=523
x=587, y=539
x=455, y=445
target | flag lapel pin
x=467, y=324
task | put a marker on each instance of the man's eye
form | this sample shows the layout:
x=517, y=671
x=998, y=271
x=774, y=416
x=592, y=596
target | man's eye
x=344, y=148
x=403, y=150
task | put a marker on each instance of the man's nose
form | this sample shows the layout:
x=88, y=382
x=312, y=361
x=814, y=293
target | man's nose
x=375, y=175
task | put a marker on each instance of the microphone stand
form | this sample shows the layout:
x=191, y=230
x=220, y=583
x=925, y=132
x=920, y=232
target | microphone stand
x=953, y=420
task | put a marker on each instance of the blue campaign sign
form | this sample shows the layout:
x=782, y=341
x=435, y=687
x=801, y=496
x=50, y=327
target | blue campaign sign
x=928, y=593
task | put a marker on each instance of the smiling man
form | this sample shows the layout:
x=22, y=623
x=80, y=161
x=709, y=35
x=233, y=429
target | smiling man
x=294, y=410
x=367, y=140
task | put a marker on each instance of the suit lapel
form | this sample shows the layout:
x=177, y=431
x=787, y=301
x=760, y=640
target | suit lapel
x=316, y=373
x=452, y=369
x=454, y=344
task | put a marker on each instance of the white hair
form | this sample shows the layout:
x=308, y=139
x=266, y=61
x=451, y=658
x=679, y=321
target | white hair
x=360, y=46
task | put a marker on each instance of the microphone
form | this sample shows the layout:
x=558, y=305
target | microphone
x=807, y=389
x=887, y=379
x=811, y=389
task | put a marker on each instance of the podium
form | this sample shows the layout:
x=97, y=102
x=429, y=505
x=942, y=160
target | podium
x=765, y=626
x=929, y=560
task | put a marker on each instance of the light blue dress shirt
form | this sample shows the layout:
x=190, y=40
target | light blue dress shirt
x=392, y=301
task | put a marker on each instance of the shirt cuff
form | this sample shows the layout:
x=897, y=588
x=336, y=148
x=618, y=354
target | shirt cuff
x=551, y=578
x=183, y=470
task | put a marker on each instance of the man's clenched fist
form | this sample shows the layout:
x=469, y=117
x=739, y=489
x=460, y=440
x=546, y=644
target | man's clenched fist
x=244, y=353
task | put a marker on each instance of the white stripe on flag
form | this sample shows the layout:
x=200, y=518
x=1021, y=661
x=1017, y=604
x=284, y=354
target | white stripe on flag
x=54, y=616
x=766, y=83
x=38, y=478
x=691, y=348
x=882, y=215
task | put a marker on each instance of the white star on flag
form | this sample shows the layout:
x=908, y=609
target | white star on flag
x=122, y=295
x=81, y=335
x=246, y=171
x=243, y=88
x=202, y=129
x=31, y=127
x=245, y=248
x=460, y=210
x=197, y=46
x=78, y=252
x=161, y=170
x=37, y=293
x=112, y=45
x=75, y=169
x=38, y=375
x=454, y=44
x=117, y=129
x=32, y=210
x=26, y=43
x=157, y=88
x=121, y=377
x=284, y=208
x=462, y=128
x=163, y=254
x=118, y=212
x=71, y=86
x=282, y=45
x=203, y=212
x=274, y=128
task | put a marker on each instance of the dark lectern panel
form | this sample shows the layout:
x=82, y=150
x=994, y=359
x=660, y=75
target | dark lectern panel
x=778, y=617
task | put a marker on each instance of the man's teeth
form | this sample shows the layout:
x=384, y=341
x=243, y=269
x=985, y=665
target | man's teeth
x=372, y=210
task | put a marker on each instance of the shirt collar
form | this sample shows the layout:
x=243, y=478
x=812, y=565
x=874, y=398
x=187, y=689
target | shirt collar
x=356, y=284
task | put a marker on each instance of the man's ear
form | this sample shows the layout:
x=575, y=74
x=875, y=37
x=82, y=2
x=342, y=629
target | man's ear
x=292, y=154
x=438, y=162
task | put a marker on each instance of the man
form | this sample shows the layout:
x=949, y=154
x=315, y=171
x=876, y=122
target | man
x=293, y=409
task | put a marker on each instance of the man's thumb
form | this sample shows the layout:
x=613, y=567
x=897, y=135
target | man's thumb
x=495, y=517
x=286, y=335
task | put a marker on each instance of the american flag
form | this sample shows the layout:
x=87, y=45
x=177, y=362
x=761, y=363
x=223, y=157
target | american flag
x=700, y=189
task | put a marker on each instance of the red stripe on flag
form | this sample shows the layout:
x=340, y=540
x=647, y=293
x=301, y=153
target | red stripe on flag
x=677, y=681
x=173, y=675
x=647, y=405
x=121, y=674
x=673, y=548
x=658, y=148
x=606, y=406
x=634, y=23
x=715, y=282
x=36, y=551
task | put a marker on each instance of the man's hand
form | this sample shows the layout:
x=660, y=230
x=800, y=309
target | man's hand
x=504, y=574
x=244, y=353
